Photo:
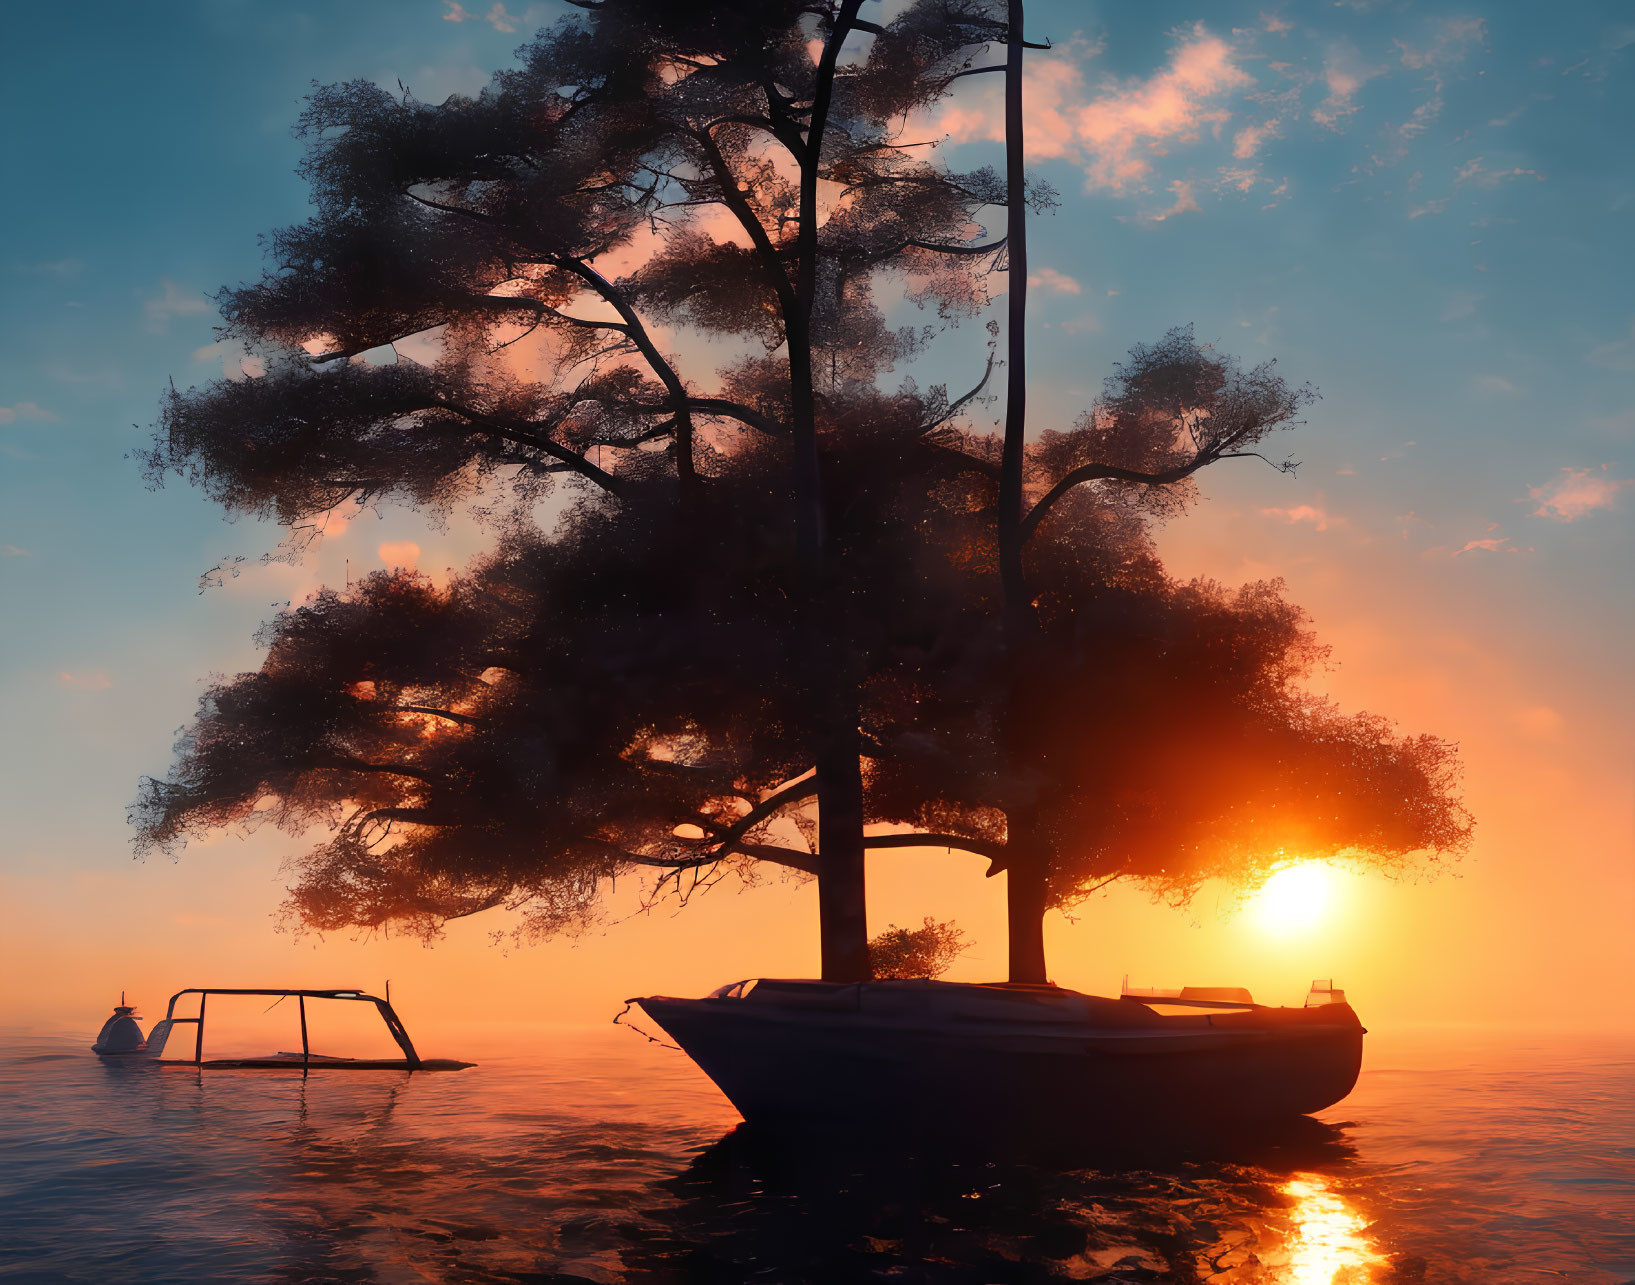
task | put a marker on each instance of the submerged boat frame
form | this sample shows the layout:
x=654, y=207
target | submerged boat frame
x=307, y=1060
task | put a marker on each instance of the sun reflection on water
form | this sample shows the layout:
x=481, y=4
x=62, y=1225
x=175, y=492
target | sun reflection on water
x=1329, y=1243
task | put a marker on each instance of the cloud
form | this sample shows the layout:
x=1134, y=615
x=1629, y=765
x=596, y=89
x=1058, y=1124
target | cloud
x=400, y=553
x=1345, y=73
x=1617, y=355
x=1494, y=384
x=1319, y=520
x=1116, y=129
x=1054, y=281
x=1461, y=304
x=94, y=681
x=25, y=410
x=1473, y=171
x=1126, y=121
x=1493, y=544
x=1276, y=25
x=1185, y=203
x=1450, y=41
x=12, y=551
x=496, y=17
x=1247, y=141
x=1541, y=722
x=1576, y=493
x=52, y=268
x=171, y=303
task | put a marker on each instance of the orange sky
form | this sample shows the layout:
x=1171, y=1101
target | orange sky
x=1532, y=928
x=1348, y=190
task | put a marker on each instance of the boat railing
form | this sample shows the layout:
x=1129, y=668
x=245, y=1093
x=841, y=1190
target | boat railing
x=161, y=1031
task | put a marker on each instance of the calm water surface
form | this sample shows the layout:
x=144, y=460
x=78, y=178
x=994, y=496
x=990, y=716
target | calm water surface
x=591, y=1155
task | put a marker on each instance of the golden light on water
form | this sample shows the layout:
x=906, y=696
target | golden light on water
x=1329, y=1242
x=1294, y=900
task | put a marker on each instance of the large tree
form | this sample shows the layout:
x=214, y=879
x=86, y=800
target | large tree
x=648, y=163
x=779, y=604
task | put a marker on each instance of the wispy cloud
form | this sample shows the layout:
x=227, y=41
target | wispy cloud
x=1474, y=171
x=1116, y=129
x=1494, y=384
x=1617, y=355
x=1489, y=544
x=1054, y=281
x=64, y=268
x=400, y=553
x=1248, y=140
x=1303, y=513
x=496, y=17
x=1185, y=202
x=1345, y=72
x=1577, y=492
x=25, y=411
x=1451, y=39
x=95, y=680
x=12, y=551
x=171, y=303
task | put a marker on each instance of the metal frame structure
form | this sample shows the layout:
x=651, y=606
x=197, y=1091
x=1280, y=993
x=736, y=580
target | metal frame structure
x=412, y=1061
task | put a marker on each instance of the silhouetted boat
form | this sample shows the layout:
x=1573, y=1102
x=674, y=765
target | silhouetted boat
x=121, y=1037
x=933, y=1057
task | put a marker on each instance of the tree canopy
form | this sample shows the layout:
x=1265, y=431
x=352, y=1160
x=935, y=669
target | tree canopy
x=776, y=605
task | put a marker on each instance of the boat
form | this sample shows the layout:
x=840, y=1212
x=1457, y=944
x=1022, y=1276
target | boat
x=121, y=1037
x=1010, y=1059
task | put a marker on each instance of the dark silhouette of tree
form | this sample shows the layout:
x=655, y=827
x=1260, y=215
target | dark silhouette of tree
x=489, y=224
x=775, y=609
x=1126, y=725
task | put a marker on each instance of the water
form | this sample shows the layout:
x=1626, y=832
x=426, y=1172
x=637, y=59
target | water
x=595, y=1156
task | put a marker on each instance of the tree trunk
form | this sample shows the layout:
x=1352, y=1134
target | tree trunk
x=1016, y=376
x=842, y=908
x=1025, y=910
x=1025, y=859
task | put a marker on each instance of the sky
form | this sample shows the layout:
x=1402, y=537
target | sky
x=1422, y=209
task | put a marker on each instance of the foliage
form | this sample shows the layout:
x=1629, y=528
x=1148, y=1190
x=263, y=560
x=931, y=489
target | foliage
x=927, y=951
x=757, y=590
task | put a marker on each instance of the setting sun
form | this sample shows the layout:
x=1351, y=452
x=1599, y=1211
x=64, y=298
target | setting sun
x=1294, y=900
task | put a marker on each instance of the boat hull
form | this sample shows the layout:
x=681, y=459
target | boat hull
x=915, y=1067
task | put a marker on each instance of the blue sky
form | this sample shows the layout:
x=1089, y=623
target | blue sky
x=1423, y=209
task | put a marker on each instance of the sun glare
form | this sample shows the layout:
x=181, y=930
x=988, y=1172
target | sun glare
x=1294, y=900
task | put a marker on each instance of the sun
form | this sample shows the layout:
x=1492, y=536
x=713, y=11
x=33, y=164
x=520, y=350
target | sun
x=1294, y=900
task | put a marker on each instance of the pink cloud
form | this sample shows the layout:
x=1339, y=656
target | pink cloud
x=95, y=681
x=1052, y=280
x=1302, y=513
x=1541, y=722
x=400, y=553
x=1577, y=492
x=1185, y=203
x=1127, y=120
x=24, y=410
x=1450, y=42
x=496, y=17
x=1115, y=130
x=1493, y=544
x=1473, y=171
x=1345, y=73
x=1247, y=141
